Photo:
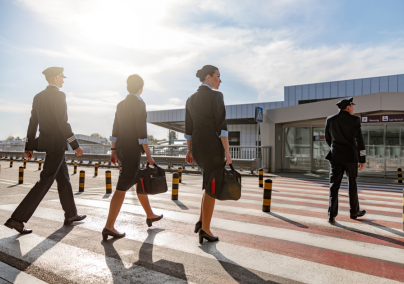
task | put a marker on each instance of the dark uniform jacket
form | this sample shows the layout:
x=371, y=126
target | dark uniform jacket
x=208, y=117
x=344, y=136
x=130, y=123
x=49, y=111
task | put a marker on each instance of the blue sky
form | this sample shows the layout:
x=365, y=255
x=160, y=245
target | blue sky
x=259, y=47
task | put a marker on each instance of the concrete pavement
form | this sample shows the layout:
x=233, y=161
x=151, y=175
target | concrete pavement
x=292, y=244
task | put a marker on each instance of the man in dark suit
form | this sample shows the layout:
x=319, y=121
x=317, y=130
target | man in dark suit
x=347, y=154
x=49, y=111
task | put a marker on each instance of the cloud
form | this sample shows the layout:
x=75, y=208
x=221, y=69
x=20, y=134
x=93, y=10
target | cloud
x=258, y=44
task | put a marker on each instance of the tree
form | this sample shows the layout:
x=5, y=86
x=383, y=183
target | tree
x=10, y=138
x=172, y=135
x=97, y=135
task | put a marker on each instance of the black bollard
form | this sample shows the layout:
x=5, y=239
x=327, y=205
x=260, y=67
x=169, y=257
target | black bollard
x=39, y=165
x=180, y=175
x=21, y=175
x=108, y=182
x=261, y=177
x=266, y=204
x=400, y=175
x=175, y=185
x=75, y=168
x=81, y=181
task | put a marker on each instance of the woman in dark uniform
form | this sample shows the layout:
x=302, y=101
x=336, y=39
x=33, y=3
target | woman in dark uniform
x=129, y=135
x=207, y=139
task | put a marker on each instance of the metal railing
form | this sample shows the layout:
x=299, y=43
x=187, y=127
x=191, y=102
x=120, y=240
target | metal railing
x=242, y=156
x=236, y=152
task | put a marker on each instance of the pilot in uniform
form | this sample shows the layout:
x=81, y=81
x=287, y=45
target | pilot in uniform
x=49, y=111
x=347, y=154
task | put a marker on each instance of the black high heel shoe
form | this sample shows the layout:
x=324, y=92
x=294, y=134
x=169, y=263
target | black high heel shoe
x=198, y=226
x=150, y=221
x=209, y=238
x=106, y=233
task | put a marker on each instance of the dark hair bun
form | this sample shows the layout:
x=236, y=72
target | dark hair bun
x=205, y=71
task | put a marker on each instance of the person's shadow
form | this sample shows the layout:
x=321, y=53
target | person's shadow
x=236, y=271
x=14, y=247
x=120, y=273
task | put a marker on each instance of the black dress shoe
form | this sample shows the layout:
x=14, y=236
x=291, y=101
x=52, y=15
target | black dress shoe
x=106, y=233
x=198, y=226
x=360, y=213
x=17, y=225
x=76, y=218
x=209, y=238
x=331, y=220
x=150, y=221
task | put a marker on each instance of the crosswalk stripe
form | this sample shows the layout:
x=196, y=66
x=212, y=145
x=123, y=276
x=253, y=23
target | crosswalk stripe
x=274, y=264
x=306, y=208
x=33, y=246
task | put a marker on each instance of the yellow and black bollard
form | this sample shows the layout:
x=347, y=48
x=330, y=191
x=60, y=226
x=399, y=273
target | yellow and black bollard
x=11, y=162
x=75, y=168
x=39, y=165
x=400, y=175
x=266, y=204
x=96, y=169
x=261, y=177
x=120, y=170
x=25, y=163
x=367, y=163
x=81, y=181
x=21, y=175
x=108, y=182
x=175, y=184
x=180, y=175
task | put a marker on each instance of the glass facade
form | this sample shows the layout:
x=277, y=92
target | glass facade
x=305, y=149
x=297, y=148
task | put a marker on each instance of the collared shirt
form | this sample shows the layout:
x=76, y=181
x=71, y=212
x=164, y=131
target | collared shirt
x=207, y=85
x=54, y=86
x=224, y=133
x=136, y=95
x=141, y=141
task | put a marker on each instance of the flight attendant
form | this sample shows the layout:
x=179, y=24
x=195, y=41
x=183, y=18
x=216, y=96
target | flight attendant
x=49, y=112
x=129, y=140
x=347, y=154
x=207, y=139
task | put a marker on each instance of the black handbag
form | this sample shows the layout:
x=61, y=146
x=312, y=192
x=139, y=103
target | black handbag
x=151, y=180
x=224, y=184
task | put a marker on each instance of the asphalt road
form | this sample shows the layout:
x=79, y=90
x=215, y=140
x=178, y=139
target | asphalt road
x=292, y=244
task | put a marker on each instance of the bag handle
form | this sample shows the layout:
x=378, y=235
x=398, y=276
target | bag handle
x=231, y=166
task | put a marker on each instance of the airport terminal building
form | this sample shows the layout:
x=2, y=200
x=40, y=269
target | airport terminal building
x=294, y=127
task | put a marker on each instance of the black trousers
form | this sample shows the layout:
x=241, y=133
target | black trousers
x=337, y=170
x=55, y=167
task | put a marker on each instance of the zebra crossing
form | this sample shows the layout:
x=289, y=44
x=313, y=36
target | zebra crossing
x=293, y=243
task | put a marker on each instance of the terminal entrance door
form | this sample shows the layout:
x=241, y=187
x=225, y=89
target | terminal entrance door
x=320, y=151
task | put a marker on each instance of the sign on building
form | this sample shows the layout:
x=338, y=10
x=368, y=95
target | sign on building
x=382, y=118
x=259, y=114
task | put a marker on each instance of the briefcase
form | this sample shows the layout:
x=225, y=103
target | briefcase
x=224, y=184
x=151, y=180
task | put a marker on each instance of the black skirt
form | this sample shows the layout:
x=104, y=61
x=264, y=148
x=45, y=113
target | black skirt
x=130, y=160
x=208, y=156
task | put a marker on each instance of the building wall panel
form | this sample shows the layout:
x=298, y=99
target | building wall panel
x=238, y=111
x=400, y=83
x=375, y=85
x=319, y=91
x=334, y=89
x=350, y=88
x=299, y=94
x=366, y=86
x=327, y=90
x=305, y=92
x=312, y=91
x=384, y=84
x=393, y=83
x=342, y=89
x=358, y=83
